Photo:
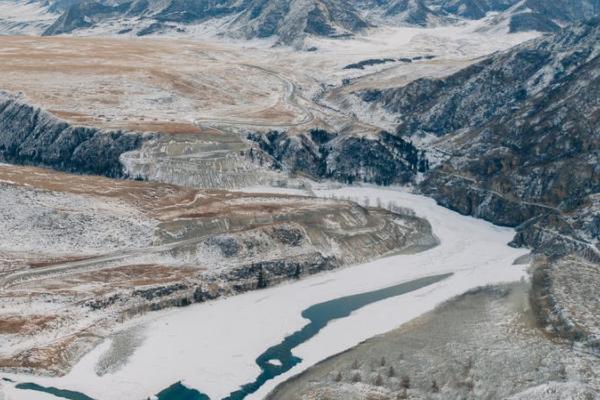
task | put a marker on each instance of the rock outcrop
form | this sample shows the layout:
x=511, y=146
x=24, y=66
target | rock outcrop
x=384, y=160
x=31, y=136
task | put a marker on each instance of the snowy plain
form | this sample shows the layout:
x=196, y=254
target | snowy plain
x=212, y=346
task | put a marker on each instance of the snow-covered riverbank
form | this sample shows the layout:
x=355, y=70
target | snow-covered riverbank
x=213, y=346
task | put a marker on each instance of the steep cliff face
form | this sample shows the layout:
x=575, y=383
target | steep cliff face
x=384, y=160
x=31, y=136
x=521, y=135
x=493, y=87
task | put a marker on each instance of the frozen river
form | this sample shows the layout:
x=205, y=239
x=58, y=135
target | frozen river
x=213, y=347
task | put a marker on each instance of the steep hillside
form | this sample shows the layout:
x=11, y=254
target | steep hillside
x=521, y=137
x=144, y=16
x=403, y=12
x=31, y=136
x=25, y=17
x=522, y=15
x=385, y=159
x=291, y=20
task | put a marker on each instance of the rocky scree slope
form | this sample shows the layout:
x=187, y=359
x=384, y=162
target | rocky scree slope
x=520, y=137
x=31, y=136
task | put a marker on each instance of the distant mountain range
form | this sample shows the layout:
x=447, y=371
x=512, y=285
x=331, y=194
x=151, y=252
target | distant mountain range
x=290, y=21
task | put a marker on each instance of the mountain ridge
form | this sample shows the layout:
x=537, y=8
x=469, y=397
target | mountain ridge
x=292, y=21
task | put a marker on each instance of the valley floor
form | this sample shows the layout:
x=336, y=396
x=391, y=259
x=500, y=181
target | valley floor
x=212, y=346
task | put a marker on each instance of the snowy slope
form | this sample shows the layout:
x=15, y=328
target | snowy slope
x=19, y=17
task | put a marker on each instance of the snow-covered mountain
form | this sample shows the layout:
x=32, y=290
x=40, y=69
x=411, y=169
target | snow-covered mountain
x=288, y=21
x=25, y=17
x=291, y=20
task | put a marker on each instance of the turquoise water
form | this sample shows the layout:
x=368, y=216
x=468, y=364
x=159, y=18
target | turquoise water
x=319, y=316
x=180, y=392
x=65, y=394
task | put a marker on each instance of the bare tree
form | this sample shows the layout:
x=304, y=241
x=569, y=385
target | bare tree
x=338, y=377
x=262, y=279
x=391, y=372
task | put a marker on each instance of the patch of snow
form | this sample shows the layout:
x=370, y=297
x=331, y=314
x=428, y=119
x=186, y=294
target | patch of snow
x=277, y=363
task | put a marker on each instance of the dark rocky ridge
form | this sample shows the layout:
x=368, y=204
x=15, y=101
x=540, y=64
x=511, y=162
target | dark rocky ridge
x=523, y=131
x=489, y=88
x=384, y=160
x=31, y=136
x=292, y=20
x=87, y=13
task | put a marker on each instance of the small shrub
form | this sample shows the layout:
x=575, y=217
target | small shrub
x=391, y=372
x=405, y=382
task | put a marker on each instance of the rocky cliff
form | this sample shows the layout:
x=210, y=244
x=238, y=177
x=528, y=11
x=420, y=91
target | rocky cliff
x=386, y=159
x=31, y=136
x=521, y=138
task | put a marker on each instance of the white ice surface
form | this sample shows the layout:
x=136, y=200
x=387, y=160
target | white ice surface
x=212, y=346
